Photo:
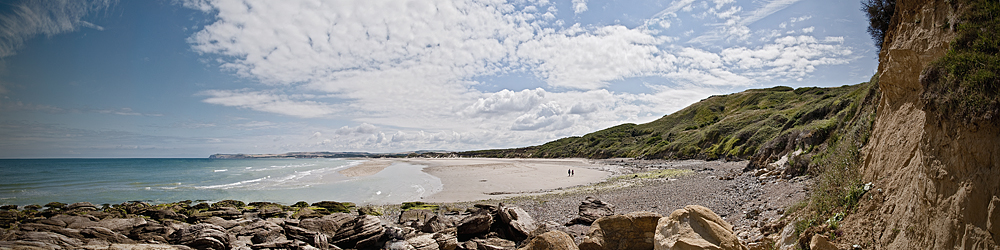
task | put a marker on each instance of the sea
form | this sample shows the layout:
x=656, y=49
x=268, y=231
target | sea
x=155, y=181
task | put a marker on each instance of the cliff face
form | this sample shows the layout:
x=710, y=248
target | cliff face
x=936, y=181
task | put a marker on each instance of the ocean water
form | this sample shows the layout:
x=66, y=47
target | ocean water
x=286, y=181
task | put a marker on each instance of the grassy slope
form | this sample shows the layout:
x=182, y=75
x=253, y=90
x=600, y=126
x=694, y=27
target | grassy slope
x=735, y=126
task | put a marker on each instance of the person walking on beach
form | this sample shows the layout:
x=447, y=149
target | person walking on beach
x=572, y=173
x=569, y=172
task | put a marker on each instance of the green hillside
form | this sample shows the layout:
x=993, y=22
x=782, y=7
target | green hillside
x=757, y=124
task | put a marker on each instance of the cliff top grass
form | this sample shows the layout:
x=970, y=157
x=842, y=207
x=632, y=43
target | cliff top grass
x=733, y=126
x=963, y=85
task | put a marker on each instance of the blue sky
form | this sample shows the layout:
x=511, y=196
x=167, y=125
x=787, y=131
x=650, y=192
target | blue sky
x=197, y=77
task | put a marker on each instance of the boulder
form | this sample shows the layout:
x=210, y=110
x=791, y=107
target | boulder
x=517, y=224
x=821, y=242
x=218, y=221
x=477, y=223
x=695, y=227
x=494, y=244
x=364, y=231
x=121, y=225
x=592, y=209
x=50, y=239
x=314, y=238
x=262, y=231
x=398, y=245
x=151, y=233
x=423, y=242
x=415, y=218
x=203, y=236
x=223, y=212
x=446, y=239
x=38, y=227
x=83, y=206
x=72, y=221
x=439, y=223
x=105, y=234
x=619, y=232
x=551, y=240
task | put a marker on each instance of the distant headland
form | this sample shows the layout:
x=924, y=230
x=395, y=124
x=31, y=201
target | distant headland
x=323, y=155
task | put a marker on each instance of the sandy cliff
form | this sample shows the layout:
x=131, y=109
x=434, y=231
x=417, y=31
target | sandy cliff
x=937, y=181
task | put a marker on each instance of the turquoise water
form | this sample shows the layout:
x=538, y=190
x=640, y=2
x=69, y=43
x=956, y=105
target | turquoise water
x=286, y=181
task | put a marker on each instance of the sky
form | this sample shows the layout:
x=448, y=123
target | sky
x=191, y=78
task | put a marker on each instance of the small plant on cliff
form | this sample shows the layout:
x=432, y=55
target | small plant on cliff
x=963, y=85
x=879, y=14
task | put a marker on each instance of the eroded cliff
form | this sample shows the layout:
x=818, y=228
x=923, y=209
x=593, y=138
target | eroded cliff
x=936, y=180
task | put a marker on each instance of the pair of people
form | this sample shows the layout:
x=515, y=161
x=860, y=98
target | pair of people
x=570, y=172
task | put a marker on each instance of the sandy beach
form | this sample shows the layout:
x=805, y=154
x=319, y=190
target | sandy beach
x=478, y=179
x=470, y=179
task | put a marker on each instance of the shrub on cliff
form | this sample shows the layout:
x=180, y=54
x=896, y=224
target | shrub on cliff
x=879, y=14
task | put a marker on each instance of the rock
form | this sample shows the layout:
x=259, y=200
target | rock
x=314, y=238
x=81, y=206
x=551, y=240
x=618, y=232
x=446, y=239
x=821, y=242
x=398, y=245
x=262, y=231
x=423, y=242
x=38, y=227
x=223, y=212
x=141, y=247
x=227, y=224
x=166, y=213
x=202, y=236
x=305, y=213
x=439, y=223
x=517, y=224
x=592, y=209
x=364, y=231
x=415, y=218
x=105, y=234
x=121, y=225
x=151, y=233
x=493, y=244
x=788, y=239
x=49, y=238
x=270, y=212
x=27, y=245
x=695, y=227
x=72, y=221
x=477, y=223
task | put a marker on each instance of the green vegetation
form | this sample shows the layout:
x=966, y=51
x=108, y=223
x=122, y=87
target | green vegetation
x=655, y=174
x=963, y=84
x=879, y=14
x=335, y=207
x=734, y=126
x=418, y=205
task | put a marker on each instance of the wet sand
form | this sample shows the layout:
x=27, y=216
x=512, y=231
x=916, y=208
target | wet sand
x=366, y=168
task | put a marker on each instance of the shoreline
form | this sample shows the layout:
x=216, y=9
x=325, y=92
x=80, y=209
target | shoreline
x=472, y=179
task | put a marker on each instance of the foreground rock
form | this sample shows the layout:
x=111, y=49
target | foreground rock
x=592, y=209
x=552, y=240
x=695, y=227
x=620, y=232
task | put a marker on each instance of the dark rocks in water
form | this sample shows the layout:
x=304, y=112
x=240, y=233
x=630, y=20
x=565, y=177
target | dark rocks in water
x=203, y=236
x=592, y=209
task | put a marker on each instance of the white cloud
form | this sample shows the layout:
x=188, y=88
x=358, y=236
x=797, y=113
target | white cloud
x=402, y=71
x=268, y=102
x=579, y=6
x=27, y=19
